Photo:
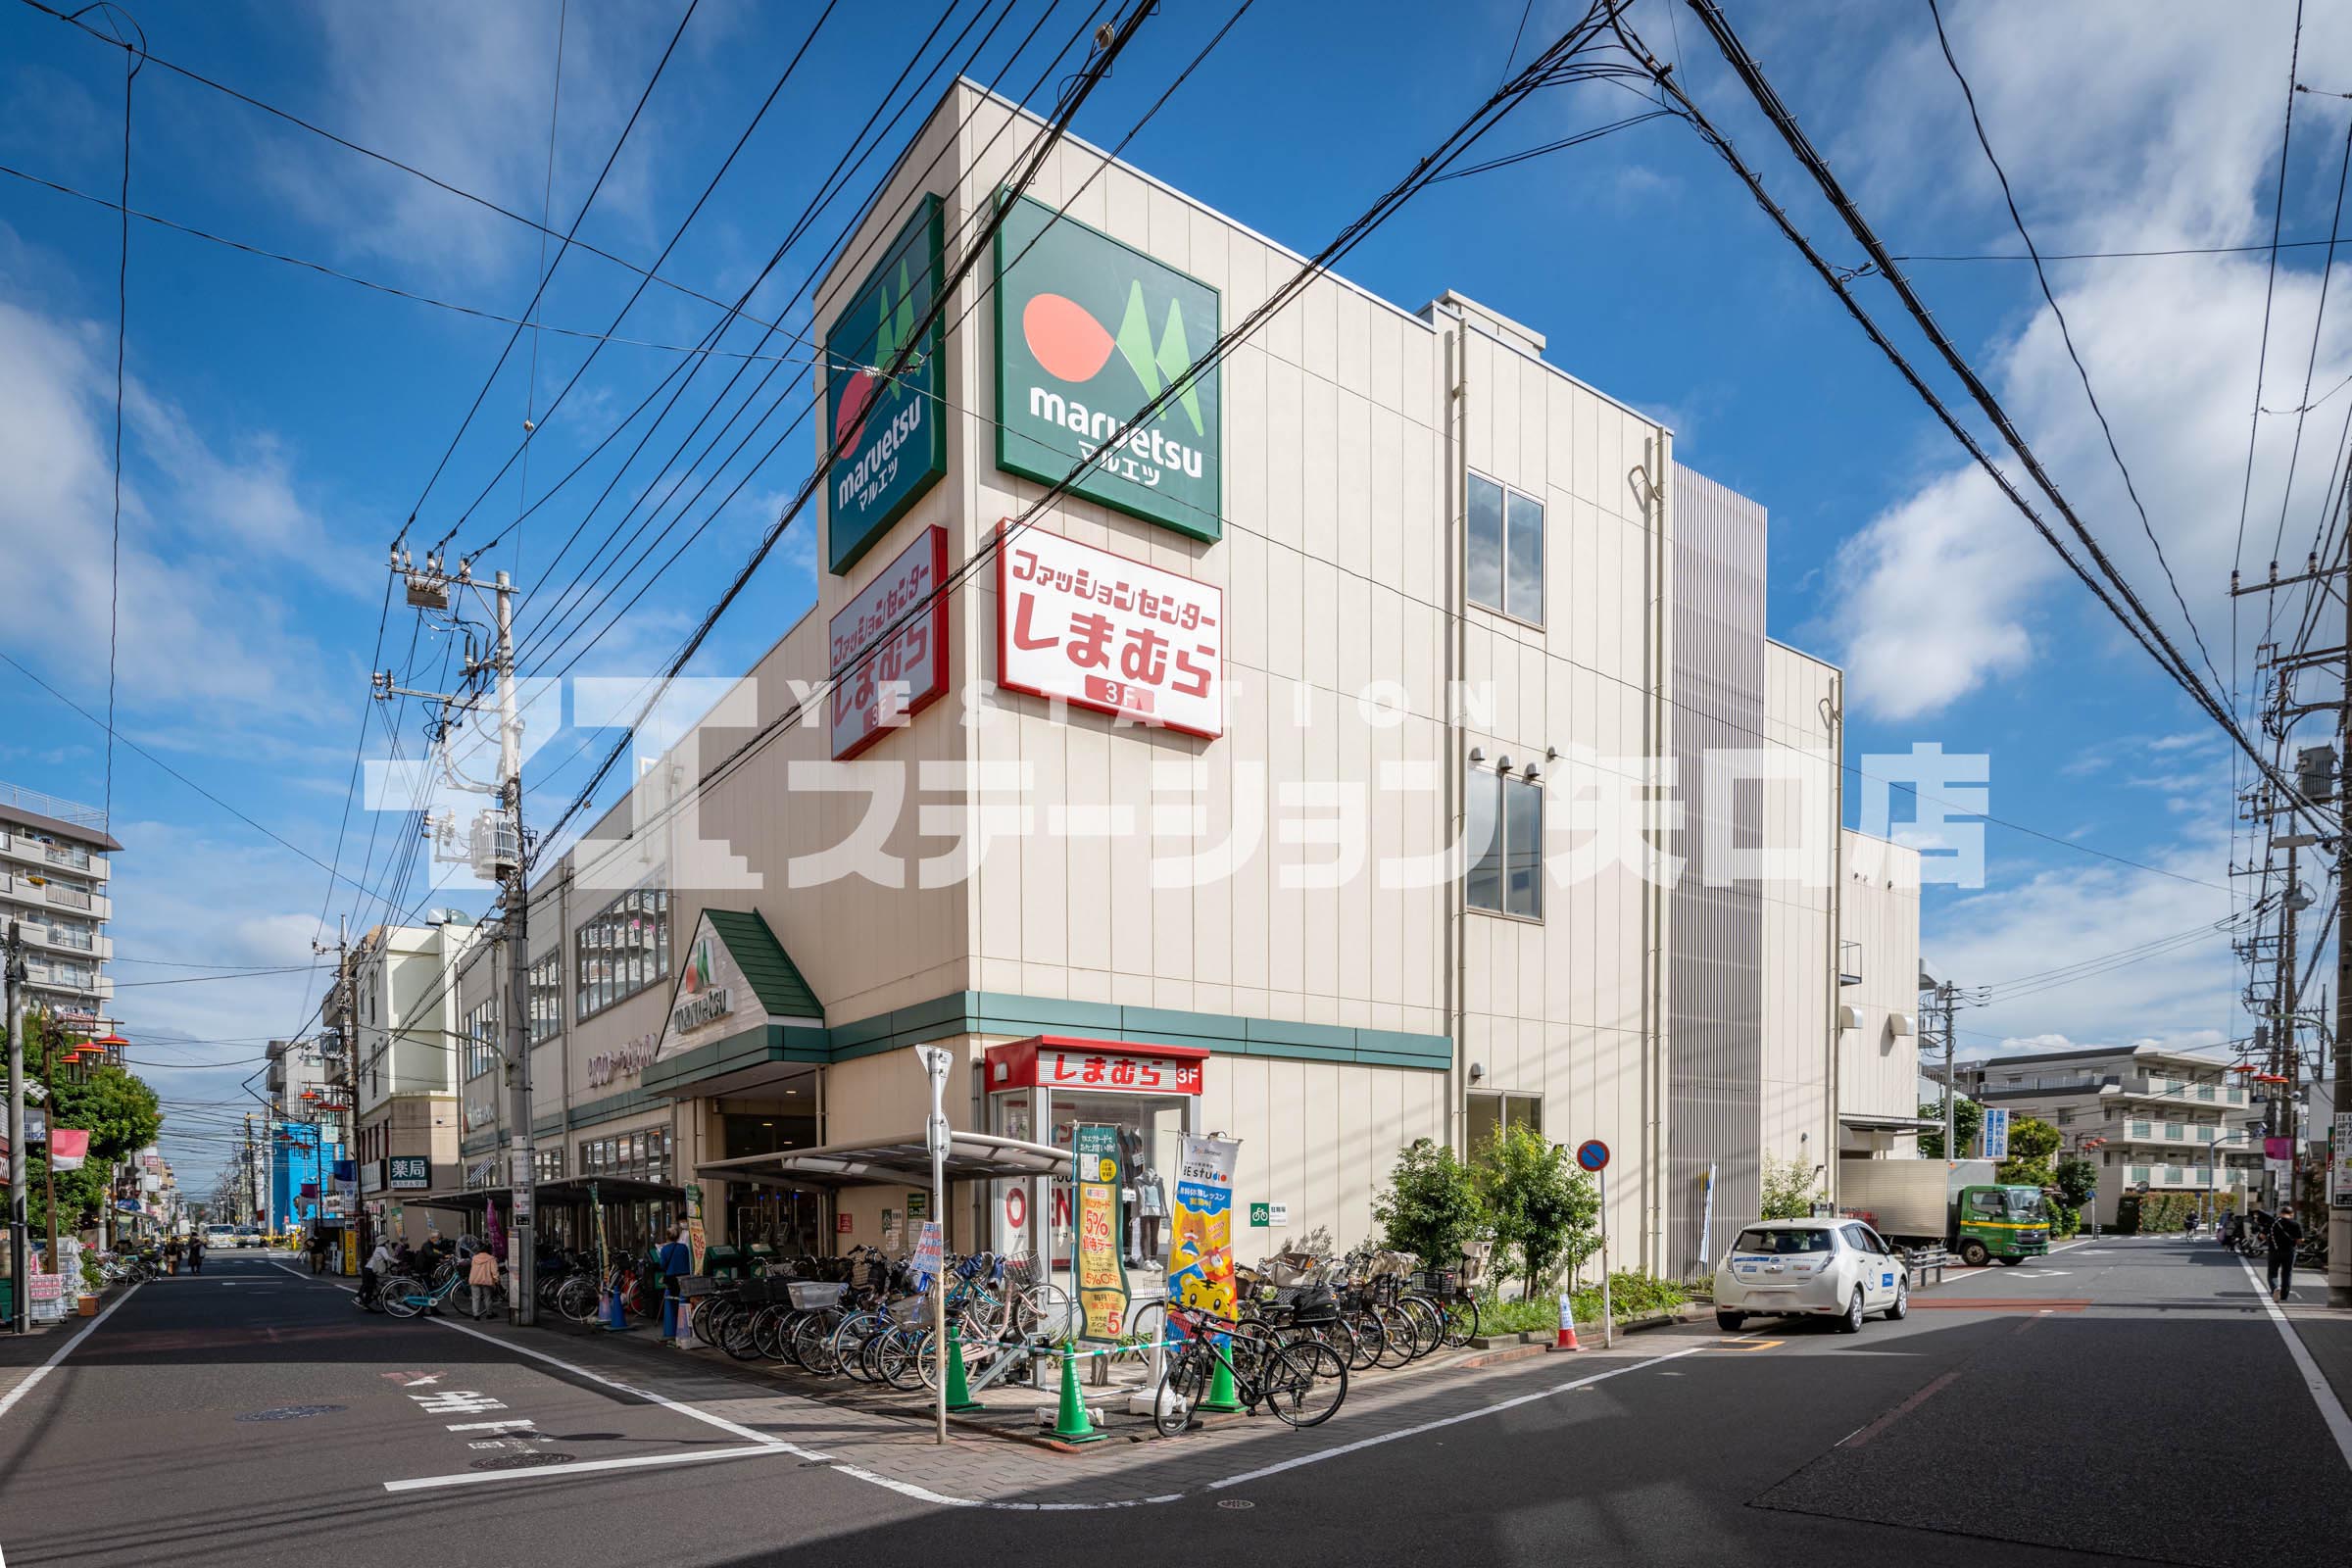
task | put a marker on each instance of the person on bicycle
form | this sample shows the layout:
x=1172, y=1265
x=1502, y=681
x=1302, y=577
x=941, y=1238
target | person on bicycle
x=382, y=1263
x=2285, y=1236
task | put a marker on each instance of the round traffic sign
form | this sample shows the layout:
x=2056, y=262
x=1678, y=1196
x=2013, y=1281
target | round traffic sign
x=1592, y=1154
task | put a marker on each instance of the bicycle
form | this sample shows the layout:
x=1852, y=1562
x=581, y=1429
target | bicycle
x=1303, y=1382
x=404, y=1296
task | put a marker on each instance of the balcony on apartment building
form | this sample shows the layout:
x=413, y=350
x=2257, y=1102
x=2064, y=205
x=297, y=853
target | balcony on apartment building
x=2177, y=1091
x=43, y=890
x=43, y=853
x=2163, y=1176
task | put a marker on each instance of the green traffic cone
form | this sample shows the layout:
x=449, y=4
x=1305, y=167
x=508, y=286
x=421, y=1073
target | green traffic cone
x=1070, y=1423
x=960, y=1393
x=1221, y=1398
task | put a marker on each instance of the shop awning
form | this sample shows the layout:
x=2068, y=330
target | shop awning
x=568, y=1190
x=891, y=1161
x=1864, y=1122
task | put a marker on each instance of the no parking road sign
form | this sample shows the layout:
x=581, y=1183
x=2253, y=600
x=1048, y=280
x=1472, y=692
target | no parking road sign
x=1593, y=1154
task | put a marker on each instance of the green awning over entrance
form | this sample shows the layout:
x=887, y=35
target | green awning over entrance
x=739, y=999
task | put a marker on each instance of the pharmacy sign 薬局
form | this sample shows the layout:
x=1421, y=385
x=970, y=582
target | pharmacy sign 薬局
x=893, y=442
x=1089, y=332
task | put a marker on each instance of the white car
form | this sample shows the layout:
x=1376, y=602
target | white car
x=1838, y=1268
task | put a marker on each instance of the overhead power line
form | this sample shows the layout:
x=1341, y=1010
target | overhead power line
x=2108, y=584
x=2066, y=335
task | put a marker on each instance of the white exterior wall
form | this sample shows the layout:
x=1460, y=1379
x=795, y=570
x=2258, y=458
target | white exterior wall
x=1803, y=723
x=1878, y=1056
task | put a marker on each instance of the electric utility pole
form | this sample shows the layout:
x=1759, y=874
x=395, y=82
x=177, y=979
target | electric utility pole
x=495, y=849
x=2320, y=777
x=20, y=1286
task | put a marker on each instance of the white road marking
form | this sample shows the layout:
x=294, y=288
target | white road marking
x=558, y=1472
x=2332, y=1408
x=491, y=1426
x=32, y=1380
x=1448, y=1421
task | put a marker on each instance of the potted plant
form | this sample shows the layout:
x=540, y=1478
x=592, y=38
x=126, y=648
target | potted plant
x=92, y=1277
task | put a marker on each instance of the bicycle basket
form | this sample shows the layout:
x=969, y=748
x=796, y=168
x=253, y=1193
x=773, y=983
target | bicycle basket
x=696, y=1285
x=808, y=1295
x=909, y=1310
x=1292, y=1268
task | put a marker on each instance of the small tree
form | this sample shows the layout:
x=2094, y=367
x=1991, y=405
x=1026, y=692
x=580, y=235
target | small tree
x=2078, y=1181
x=1967, y=1117
x=1789, y=1190
x=1433, y=1207
x=1543, y=1208
x=2032, y=1143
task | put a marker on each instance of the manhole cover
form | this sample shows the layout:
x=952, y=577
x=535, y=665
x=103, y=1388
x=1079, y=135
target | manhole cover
x=289, y=1412
x=520, y=1461
x=1235, y=1504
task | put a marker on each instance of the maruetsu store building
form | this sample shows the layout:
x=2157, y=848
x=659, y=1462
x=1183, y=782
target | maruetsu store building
x=1147, y=806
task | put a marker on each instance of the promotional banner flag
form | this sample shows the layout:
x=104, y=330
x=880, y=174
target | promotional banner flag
x=1201, y=1262
x=68, y=1147
x=1102, y=1293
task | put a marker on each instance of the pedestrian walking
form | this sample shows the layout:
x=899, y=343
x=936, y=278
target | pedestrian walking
x=676, y=1260
x=2285, y=1235
x=481, y=1277
x=196, y=1254
x=172, y=1255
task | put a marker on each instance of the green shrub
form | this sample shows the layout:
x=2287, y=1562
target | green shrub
x=1789, y=1190
x=1544, y=1210
x=1433, y=1207
x=1631, y=1295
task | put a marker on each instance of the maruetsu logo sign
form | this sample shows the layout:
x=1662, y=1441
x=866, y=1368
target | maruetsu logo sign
x=701, y=997
x=893, y=444
x=1088, y=332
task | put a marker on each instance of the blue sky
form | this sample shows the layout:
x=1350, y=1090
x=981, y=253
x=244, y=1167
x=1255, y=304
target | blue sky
x=279, y=424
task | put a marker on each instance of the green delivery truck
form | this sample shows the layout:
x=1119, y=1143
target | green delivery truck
x=1916, y=1201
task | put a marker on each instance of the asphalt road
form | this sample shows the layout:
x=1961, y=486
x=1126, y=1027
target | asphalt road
x=2127, y=1400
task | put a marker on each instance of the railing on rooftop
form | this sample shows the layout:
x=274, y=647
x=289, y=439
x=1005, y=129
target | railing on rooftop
x=79, y=815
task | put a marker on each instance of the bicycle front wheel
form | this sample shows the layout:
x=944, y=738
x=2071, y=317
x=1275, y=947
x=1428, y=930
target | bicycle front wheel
x=1306, y=1383
x=1181, y=1382
x=1461, y=1321
x=1429, y=1324
x=576, y=1298
x=403, y=1296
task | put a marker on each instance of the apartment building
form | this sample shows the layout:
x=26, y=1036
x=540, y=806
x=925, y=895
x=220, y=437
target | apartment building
x=400, y=1012
x=2154, y=1121
x=54, y=871
x=1301, y=775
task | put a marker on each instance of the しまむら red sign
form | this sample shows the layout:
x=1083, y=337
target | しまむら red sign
x=1097, y=630
x=902, y=676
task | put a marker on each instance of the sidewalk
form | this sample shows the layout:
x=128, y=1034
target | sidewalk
x=2326, y=1334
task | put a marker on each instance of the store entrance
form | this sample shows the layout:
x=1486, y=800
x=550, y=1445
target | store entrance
x=1045, y=1089
x=779, y=1222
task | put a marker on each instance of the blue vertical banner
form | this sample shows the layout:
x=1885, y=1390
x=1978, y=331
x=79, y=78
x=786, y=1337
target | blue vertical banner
x=1994, y=1135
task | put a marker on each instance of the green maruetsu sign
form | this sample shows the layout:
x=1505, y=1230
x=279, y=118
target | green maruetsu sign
x=1089, y=331
x=894, y=443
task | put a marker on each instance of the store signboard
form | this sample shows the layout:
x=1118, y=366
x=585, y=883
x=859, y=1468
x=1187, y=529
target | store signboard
x=409, y=1173
x=1201, y=1257
x=882, y=690
x=1112, y=1066
x=1102, y=1274
x=1088, y=333
x=2339, y=1162
x=928, y=1250
x=1097, y=630
x=1995, y=1133
x=893, y=441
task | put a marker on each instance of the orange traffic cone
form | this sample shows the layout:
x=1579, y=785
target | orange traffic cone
x=1567, y=1333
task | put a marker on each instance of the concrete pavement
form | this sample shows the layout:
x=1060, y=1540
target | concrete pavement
x=255, y=1414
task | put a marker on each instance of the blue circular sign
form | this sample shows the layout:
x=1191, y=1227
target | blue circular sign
x=1592, y=1154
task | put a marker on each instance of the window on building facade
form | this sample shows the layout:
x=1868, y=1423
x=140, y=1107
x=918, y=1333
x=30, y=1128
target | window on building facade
x=1491, y=1112
x=547, y=997
x=1504, y=838
x=2065, y=1118
x=547, y=1165
x=481, y=1039
x=645, y=1156
x=1505, y=549
x=621, y=951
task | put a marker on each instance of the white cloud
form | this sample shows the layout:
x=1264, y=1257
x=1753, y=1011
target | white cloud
x=2169, y=141
x=194, y=621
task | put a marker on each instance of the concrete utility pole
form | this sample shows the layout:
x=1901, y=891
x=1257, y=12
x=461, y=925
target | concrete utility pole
x=2278, y=1115
x=522, y=1250
x=496, y=852
x=19, y=1288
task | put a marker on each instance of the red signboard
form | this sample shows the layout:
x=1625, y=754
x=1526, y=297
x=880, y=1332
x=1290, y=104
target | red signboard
x=1094, y=629
x=906, y=675
x=1112, y=1066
